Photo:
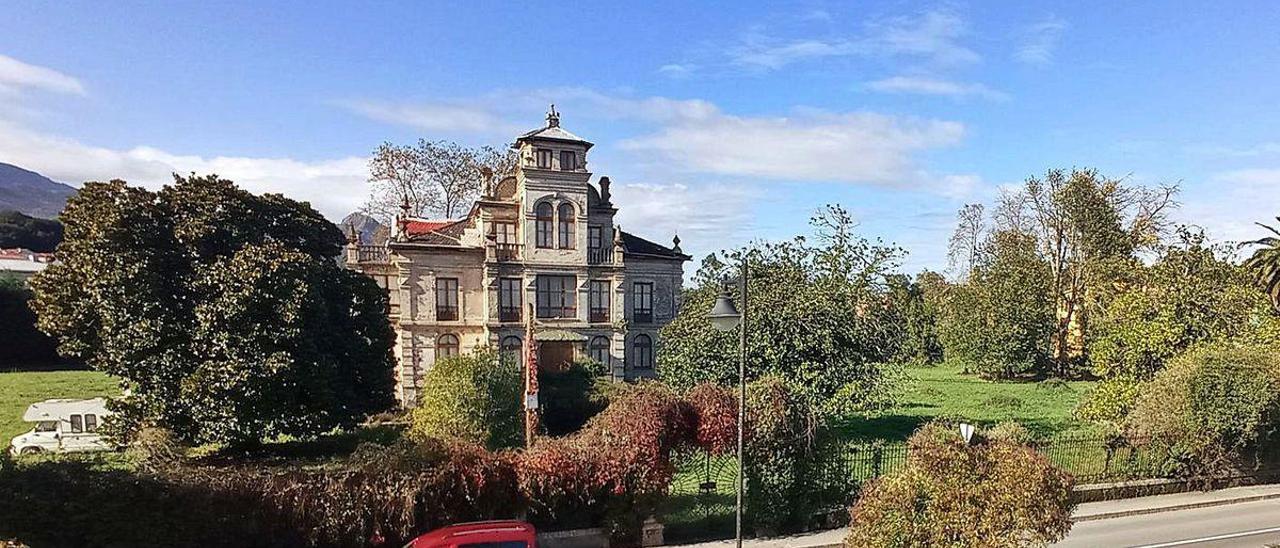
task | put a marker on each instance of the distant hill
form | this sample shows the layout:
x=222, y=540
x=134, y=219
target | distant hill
x=25, y=231
x=31, y=193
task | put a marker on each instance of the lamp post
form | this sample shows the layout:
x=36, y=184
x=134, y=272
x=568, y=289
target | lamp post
x=724, y=316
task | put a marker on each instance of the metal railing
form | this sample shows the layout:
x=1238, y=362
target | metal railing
x=371, y=253
x=508, y=313
x=506, y=252
x=599, y=255
x=598, y=315
x=446, y=313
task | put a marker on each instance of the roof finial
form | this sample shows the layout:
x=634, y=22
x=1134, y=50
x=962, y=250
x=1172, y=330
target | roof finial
x=553, y=117
x=676, y=243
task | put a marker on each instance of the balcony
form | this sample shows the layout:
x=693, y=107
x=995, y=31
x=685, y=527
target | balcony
x=446, y=313
x=371, y=253
x=508, y=313
x=642, y=316
x=506, y=252
x=599, y=255
x=598, y=315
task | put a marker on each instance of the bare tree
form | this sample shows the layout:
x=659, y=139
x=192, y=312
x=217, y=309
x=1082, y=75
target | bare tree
x=435, y=178
x=966, y=242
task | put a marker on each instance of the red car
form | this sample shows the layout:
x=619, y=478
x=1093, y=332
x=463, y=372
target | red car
x=480, y=534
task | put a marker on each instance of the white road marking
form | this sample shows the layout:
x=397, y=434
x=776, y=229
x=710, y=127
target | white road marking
x=1213, y=538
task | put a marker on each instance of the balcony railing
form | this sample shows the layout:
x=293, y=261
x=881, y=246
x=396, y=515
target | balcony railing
x=446, y=313
x=508, y=313
x=598, y=315
x=599, y=255
x=642, y=316
x=371, y=253
x=506, y=252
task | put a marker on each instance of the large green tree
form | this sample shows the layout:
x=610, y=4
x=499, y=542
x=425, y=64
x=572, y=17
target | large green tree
x=224, y=313
x=999, y=323
x=816, y=318
x=1088, y=229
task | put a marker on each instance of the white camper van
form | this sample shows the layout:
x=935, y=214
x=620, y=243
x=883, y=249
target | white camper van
x=63, y=426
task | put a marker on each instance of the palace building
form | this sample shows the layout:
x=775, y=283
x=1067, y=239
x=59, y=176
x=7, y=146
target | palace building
x=540, y=246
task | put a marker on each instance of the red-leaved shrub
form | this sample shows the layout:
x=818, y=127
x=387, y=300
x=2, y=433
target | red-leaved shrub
x=715, y=412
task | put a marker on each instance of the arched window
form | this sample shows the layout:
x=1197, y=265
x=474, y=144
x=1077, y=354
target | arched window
x=567, y=235
x=599, y=350
x=642, y=352
x=446, y=346
x=545, y=219
x=512, y=348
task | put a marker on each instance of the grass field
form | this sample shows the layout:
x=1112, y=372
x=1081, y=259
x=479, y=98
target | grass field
x=18, y=390
x=944, y=391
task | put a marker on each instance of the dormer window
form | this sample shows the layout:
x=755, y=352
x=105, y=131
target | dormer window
x=568, y=160
x=544, y=158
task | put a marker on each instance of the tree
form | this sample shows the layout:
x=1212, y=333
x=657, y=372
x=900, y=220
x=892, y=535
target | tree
x=476, y=398
x=1265, y=264
x=815, y=319
x=995, y=492
x=1088, y=229
x=999, y=323
x=19, y=230
x=224, y=313
x=1192, y=295
x=910, y=310
x=965, y=244
x=433, y=177
x=24, y=346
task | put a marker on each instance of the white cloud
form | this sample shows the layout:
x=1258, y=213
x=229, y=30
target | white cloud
x=1220, y=151
x=677, y=70
x=1038, y=41
x=16, y=75
x=706, y=216
x=442, y=116
x=850, y=147
x=932, y=86
x=933, y=36
x=334, y=187
x=1229, y=204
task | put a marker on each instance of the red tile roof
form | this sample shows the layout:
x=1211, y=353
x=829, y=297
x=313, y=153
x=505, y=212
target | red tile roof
x=416, y=227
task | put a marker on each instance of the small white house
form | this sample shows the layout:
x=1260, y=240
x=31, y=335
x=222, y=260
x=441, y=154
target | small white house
x=63, y=426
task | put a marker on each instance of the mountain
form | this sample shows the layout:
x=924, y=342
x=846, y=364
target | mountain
x=31, y=193
x=368, y=229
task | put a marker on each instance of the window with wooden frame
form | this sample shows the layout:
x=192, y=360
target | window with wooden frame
x=556, y=296
x=446, y=299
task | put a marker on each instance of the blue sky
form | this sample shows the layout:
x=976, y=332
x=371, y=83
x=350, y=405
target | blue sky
x=724, y=122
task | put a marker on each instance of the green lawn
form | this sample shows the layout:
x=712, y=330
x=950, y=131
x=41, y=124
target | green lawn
x=944, y=391
x=18, y=390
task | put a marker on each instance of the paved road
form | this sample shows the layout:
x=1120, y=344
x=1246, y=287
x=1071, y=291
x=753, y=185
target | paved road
x=1250, y=524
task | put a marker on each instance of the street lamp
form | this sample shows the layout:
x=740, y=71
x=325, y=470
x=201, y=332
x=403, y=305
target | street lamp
x=724, y=317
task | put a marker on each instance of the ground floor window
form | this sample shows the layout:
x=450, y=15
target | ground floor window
x=642, y=352
x=446, y=346
x=512, y=349
x=599, y=350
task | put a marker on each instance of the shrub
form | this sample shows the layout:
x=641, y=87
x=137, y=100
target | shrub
x=994, y=492
x=1209, y=405
x=1109, y=402
x=777, y=448
x=715, y=411
x=474, y=398
x=569, y=398
x=614, y=471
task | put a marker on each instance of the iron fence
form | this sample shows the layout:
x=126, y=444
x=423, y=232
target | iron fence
x=701, y=501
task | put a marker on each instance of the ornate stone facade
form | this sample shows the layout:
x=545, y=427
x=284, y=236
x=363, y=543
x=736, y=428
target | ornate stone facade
x=540, y=246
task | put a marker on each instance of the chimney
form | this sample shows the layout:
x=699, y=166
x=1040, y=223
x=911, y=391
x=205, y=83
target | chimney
x=604, y=189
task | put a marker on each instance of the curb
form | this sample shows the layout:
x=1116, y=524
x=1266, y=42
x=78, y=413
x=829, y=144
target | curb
x=1175, y=507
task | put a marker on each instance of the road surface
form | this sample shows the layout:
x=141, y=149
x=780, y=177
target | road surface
x=1249, y=524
